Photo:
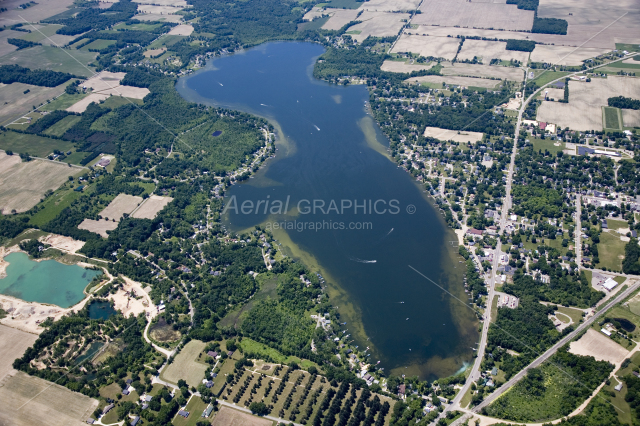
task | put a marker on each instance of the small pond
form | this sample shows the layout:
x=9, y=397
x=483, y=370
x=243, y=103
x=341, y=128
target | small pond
x=101, y=310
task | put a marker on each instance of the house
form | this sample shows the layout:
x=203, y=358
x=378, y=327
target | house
x=604, y=224
x=147, y=398
x=401, y=389
x=145, y=406
x=207, y=412
x=183, y=413
x=135, y=421
x=90, y=421
x=208, y=384
x=213, y=354
x=230, y=354
x=494, y=371
x=107, y=409
x=129, y=381
x=605, y=331
x=618, y=387
x=125, y=391
x=474, y=232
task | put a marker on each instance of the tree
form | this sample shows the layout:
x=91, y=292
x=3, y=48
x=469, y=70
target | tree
x=259, y=408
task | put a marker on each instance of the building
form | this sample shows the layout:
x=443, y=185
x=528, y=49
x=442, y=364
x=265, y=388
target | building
x=474, y=232
x=135, y=421
x=207, y=412
x=183, y=413
x=609, y=284
x=618, y=387
x=605, y=331
x=107, y=409
x=401, y=389
x=213, y=354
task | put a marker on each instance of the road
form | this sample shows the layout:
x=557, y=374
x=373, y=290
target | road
x=569, y=337
x=506, y=206
x=578, y=231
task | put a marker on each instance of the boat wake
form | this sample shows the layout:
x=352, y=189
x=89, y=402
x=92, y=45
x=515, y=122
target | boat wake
x=355, y=259
x=317, y=128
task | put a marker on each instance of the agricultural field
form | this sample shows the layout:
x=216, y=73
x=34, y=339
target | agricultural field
x=390, y=5
x=156, y=17
x=60, y=127
x=404, y=66
x=378, y=24
x=473, y=70
x=631, y=118
x=251, y=346
x=99, y=227
x=437, y=47
x=564, y=55
x=41, y=10
x=27, y=400
x=488, y=50
x=500, y=16
x=151, y=207
x=584, y=110
x=35, y=145
x=14, y=343
x=23, y=184
x=52, y=58
x=437, y=80
x=229, y=416
x=185, y=365
x=123, y=203
x=98, y=44
x=181, y=30
x=611, y=118
x=14, y=102
x=454, y=135
x=339, y=18
x=596, y=344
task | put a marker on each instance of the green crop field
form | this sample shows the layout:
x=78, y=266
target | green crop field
x=52, y=58
x=59, y=128
x=33, y=144
x=41, y=33
x=341, y=4
x=98, y=44
x=316, y=24
x=63, y=101
x=545, y=77
x=611, y=118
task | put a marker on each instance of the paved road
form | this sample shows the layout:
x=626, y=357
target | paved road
x=555, y=347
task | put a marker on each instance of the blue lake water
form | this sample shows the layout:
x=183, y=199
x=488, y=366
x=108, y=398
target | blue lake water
x=101, y=310
x=46, y=281
x=329, y=148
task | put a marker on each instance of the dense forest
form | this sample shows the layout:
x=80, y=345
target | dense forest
x=17, y=74
x=549, y=26
x=624, y=103
x=521, y=45
x=96, y=18
x=22, y=44
x=563, y=288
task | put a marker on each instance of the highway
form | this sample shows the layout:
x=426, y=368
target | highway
x=569, y=337
x=506, y=206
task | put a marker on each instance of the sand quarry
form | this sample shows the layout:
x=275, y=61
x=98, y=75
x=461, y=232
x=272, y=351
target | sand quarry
x=133, y=305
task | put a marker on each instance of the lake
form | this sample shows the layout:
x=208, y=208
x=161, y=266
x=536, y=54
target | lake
x=101, y=310
x=46, y=281
x=352, y=213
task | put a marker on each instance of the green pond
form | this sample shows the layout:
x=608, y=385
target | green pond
x=46, y=281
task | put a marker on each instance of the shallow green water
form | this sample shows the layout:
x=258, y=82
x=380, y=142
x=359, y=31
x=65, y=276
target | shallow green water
x=331, y=150
x=101, y=310
x=47, y=281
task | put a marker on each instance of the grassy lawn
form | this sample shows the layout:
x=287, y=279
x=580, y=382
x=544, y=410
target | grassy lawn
x=543, y=78
x=547, y=145
x=63, y=101
x=611, y=117
x=628, y=47
x=617, y=224
x=466, y=399
x=33, y=144
x=166, y=40
x=195, y=407
x=59, y=128
x=624, y=411
x=249, y=345
x=622, y=312
x=226, y=368
x=610, y=251
x=574, y=314
x=136, y=27
x=494, y=309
